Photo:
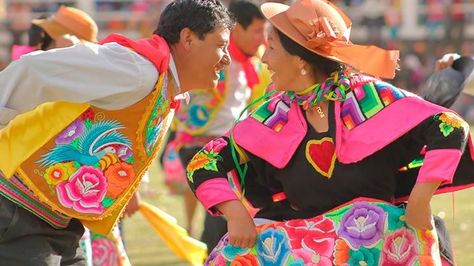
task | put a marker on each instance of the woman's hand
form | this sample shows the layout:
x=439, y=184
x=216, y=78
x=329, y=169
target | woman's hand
x=240, y=225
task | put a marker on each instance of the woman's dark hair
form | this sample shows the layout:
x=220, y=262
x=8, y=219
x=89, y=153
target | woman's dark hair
x=200, y=16
x=318, y=63
x=37, y=36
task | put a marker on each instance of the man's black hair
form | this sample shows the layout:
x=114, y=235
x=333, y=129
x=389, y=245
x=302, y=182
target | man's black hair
x=200, y=16
x=245, y=12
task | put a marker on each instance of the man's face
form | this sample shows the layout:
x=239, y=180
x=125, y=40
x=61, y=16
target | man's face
x=207, y=57
x=248, y=40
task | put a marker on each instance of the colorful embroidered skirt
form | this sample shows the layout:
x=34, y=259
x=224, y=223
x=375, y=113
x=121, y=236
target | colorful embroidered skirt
x=363, y=232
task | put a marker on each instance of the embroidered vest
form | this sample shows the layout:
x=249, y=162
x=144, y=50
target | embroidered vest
x=90, y=169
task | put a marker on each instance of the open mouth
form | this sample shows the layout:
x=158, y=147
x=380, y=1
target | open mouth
x=217, y=69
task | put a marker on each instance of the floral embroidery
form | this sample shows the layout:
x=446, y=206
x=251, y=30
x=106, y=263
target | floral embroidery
x=59, y=172
x=91, y=159
x=231, y=252
x=119, y=175
x=363, y=225
x=88, y=115
x=272, y=247
x=247, y=260
x=104, y=251
x=312, y=240
x=311, y=258
x=320, y=230
x=355, y=234
x=216, y=145
x=155, y=121
x=341, y=253
x=399, y=248
x=206, y=158
x=364, y=256
x=84, y=191
x=73, y=131
x=214, y=257
x=449, y=122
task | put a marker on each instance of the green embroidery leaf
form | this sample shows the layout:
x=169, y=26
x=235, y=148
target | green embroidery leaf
x=75, y=143
x=396, y=216
x=190, y=176
x=107, y=202
x=130, y=160
x=88, y=123
x=446, y=129
x=95, y=236
x=336, y=216
x=211, y=165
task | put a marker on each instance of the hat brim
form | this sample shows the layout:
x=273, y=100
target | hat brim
x=54, y=29
x=275, y=13
x=465, y=65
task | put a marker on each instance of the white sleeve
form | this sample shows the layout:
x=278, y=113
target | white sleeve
x=108, y=76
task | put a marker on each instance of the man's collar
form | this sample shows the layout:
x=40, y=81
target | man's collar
x=177, y=84
x=174, y=73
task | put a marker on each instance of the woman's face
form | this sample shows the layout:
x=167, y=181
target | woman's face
x=284, y=67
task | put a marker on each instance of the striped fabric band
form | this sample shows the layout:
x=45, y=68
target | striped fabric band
x=19, y=193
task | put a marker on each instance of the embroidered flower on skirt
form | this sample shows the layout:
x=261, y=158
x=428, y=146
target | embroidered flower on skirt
x=361, y=232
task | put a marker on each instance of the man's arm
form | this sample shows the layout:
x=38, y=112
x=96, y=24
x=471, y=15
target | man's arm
x=107, y=76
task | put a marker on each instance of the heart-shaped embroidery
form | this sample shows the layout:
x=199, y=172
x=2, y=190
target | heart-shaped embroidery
x=321, y=154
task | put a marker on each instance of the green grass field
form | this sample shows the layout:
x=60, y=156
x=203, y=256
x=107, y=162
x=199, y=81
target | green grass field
x=146, y=249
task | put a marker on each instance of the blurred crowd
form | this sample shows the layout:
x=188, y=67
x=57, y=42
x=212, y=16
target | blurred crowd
x=445, y=25
x=376, y=21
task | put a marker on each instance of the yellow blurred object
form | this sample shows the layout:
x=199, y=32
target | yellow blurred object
x=176, y=237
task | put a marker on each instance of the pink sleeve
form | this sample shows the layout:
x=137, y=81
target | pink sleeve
x=439, y=165
x=215, y=191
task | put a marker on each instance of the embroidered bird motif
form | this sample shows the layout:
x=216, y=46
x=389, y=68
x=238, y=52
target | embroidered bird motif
x=93, y=144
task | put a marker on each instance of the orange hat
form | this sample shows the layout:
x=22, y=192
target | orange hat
x=68, y=20
x=324, y=29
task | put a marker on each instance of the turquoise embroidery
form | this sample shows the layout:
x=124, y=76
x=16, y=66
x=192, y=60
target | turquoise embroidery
x=155, y=121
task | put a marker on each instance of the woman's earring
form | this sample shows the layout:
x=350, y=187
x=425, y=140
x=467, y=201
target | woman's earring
x=303, y=72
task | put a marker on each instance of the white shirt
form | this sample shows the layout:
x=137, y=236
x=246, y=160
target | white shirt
x=235, y=102
x=108, y=76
